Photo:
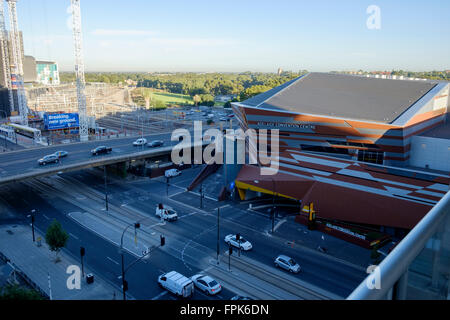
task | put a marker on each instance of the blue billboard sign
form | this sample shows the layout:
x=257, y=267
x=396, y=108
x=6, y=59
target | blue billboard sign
x=60, y=121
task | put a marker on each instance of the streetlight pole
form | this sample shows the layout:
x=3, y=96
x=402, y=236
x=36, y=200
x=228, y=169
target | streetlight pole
x=32, y=222
x=218, y=233
x=106, y=189
x=201, y=196
x=273, y=205
x=124, y=283
x=137, y=225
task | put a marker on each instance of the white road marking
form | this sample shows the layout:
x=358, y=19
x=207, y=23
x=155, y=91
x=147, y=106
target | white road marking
x=159, y=295
x=46, y=217
x=73, y=236
x=112, y=261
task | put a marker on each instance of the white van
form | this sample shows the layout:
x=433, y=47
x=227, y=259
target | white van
x=177, y=284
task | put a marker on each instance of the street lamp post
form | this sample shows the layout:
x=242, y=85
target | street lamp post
x=124, y=283
x=218, y=233
x=137, y=225
x=32, y=222
x=106, y=188
x=201, y=196
x=273, y=204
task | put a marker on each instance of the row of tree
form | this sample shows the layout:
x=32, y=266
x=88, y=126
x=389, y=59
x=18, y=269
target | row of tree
x=202, y=87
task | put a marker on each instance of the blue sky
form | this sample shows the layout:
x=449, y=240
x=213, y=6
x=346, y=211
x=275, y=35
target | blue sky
x=253, y=35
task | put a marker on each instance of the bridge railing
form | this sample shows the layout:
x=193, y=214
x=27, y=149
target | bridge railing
x=418, y=267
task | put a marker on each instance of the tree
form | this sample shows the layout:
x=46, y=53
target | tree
x=197, y=99
x=147, y=94
x=14, y=292
x=56, y=238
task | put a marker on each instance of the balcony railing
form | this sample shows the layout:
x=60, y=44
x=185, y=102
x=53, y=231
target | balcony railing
x=419, y=266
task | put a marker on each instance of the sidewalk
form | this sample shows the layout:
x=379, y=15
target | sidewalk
x=38, y=263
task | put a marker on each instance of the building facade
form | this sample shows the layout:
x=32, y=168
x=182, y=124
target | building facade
x=47, y=73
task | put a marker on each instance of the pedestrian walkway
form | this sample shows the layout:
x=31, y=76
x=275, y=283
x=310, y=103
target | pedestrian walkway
x=37, y=263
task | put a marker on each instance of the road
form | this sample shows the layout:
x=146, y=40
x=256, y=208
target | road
x=191, y=240
x=101, y=255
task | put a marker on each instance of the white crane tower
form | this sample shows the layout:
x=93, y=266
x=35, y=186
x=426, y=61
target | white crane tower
x=17, y=65
x=79, y=70
x=5, y=55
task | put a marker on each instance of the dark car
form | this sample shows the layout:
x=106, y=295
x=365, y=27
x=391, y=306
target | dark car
x=156, y=143
x=101, y=150
x=48, y=159
x=61, y=154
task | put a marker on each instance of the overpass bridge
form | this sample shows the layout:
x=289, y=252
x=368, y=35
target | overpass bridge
x=21, y=165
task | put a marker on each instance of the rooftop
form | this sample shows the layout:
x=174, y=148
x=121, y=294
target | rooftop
x=344, y=96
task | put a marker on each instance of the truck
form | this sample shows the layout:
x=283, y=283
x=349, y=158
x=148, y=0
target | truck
x=177, y=284
x=165, y=212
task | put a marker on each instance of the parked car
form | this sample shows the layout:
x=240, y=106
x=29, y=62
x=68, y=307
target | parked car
x=172, y=173
x=165, y=212
x=242, y=243
x=48, y=159
x=224, y=119
x=140, y=142
x=177, y=284
x=61, y=154
x=231, y=115
x=206, y=284
x=101, y=150
x=287, y=263
x=156, y=143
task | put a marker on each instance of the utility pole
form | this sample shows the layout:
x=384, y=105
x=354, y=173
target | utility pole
x=106, y=189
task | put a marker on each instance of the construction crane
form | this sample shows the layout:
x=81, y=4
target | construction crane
x=5, y=56
x=79, y=69
x=17, y=66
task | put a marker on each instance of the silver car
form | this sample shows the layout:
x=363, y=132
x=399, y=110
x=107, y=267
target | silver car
x=287, y=263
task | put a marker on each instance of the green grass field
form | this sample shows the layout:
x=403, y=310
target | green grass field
x=172, y=98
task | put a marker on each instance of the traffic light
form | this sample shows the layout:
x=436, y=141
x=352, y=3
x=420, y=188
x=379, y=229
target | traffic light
x=238, y=237
x=125, y=285
x=137, y=225
x=82, y=251
x=163, y=240
x=230, y=250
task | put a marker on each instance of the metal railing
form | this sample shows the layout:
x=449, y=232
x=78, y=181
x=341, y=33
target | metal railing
x=393, y=271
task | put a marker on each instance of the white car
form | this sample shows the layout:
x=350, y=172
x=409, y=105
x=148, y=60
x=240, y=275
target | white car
x=140, y=142
x=242, y=243
x=172, y=173
x=287, y=263
x=206, y=284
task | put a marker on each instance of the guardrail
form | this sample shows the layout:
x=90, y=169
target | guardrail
x=392, y=271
